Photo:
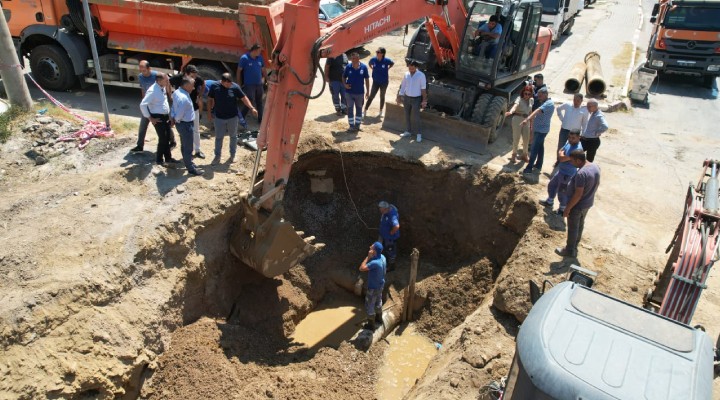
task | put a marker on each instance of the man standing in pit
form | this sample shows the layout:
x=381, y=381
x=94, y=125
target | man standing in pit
x=196, y=96
x=357, y=83
x=156, y=109
x=413, y=97
x=374, y=264
x=581, y=189
x=380, y=66
x=146, y=78
x=596, y=126
x=223, y=100
x=389, y=231
x=566, y=170
x=183, y=115
x=334, y=68
x=251, y=77
x=540, y=119
x=573, y=117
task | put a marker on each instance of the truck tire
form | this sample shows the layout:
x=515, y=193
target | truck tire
x=569, y=27
x=480, y=106
x=210, y=71
x=495, y=116
x=51, y=67
x=708, y=81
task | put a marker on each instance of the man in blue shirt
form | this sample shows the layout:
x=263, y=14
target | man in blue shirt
x=380, y=66
x=389, y=230
x=183, y=116
x=374, y=264
x=146, y=78
x=489, y=31
x=251, y=76
x=356, y=73
x=558, y=183
x=224, y=100
x=540, y=119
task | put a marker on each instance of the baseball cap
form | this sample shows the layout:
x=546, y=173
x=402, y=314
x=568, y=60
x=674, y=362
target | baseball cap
x=190, y=69
x=378, y=247
x=384, y=204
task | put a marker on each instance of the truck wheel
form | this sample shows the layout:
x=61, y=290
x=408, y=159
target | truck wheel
x=569, y=27
x=495, y=116
x=209, y=71
x=481, y=106
x=51, y=67
x=708, y=81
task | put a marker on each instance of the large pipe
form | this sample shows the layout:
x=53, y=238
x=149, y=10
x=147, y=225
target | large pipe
x=366, y=338
x=577, y=76
x=595, y=80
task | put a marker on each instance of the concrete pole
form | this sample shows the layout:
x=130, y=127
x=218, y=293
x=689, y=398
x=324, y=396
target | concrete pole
x=12, y=75
x=96, y=61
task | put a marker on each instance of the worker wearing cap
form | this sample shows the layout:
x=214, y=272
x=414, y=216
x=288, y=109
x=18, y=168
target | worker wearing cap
x=375, y=265
x=251, y=77
x=389, y=231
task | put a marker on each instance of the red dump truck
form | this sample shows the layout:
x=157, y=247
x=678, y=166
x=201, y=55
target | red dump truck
x=211, y=34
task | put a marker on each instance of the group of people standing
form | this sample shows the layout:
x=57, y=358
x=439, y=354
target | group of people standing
x=177, y=101
x=576, y=179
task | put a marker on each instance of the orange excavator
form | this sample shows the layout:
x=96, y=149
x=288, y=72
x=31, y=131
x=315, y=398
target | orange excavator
x=265, y=240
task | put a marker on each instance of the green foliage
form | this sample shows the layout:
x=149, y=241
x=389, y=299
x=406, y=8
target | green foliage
x=6, y=121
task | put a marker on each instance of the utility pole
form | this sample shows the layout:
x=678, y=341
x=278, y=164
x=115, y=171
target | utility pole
x=12, y=75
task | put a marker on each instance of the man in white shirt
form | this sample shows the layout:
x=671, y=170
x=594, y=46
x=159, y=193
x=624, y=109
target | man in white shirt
x=573, y=117
x=155, y=107
x=413, y=91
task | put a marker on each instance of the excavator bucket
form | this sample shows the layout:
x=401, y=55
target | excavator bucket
x=441, y=128
x=268, y=243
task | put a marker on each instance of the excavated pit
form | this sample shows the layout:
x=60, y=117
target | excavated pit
x=465, y=221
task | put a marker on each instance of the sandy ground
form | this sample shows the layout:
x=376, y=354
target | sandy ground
x=114, y=272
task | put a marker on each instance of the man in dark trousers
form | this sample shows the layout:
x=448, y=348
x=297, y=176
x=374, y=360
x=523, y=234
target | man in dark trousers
x=380, y=66
x=223, y=100
x=374, y=264
x=196, y=96
x=155, y=107
x=595, y=126
x=581, y=191
x=183, y=115
x=334, y=68
x=146, y=78
x=251, y=77
x=389, y=231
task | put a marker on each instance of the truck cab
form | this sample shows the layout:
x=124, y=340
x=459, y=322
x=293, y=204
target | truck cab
x=685, y=39
x=559, y=16
x=577, y=343
x=330, y=9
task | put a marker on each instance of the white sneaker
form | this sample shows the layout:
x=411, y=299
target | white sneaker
x=405, y=134
x=419, y=138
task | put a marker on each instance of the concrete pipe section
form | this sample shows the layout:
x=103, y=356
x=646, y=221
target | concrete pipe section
x=595, y=80
x=577, y=76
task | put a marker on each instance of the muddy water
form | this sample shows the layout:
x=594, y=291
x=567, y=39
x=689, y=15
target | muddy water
x=336, y=319
x=406, y=359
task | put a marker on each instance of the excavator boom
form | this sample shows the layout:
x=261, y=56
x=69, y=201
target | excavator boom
x=265, y=241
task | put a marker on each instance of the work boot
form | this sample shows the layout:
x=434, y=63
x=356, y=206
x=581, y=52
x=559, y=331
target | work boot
x=565, y=252
x=378, y=316
x=370, y=324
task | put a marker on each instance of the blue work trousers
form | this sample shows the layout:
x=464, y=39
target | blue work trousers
x=373, y=301
x=537, y=153
x=558, y=187
x=355, y=108
x=390, y=248
x=337, y=92
x=255, y=94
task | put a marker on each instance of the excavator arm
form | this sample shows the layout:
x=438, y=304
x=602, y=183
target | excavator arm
x=265, y=240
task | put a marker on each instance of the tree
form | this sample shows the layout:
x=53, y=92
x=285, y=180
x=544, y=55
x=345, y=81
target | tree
x=12, y=75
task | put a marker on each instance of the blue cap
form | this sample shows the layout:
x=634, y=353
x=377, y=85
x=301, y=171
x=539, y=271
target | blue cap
x=378, y=248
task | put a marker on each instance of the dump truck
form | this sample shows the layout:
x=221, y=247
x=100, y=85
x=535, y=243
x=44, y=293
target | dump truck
x=685, y=39
x=52, y=34
x=267, y=242
x=559, y=16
